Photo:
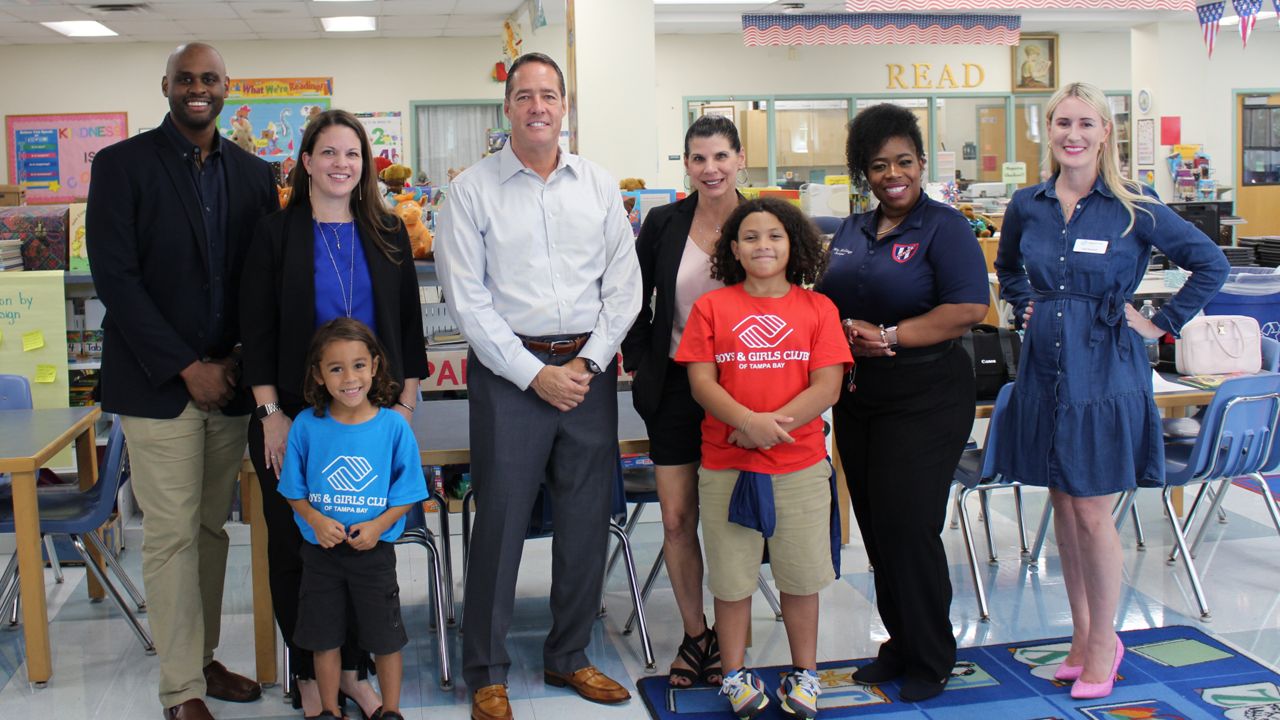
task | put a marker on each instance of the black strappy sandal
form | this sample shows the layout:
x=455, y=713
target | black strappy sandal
x=695, y=656
x=712, y=671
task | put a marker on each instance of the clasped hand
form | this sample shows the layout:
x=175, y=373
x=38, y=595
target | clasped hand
x=331, y=533
x=210, y=383
x=762, y=430
x=564, y=387
x=865, y=339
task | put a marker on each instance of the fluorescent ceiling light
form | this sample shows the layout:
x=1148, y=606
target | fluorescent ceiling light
x=350, y=23
x=80, y=28
x=1235, y=19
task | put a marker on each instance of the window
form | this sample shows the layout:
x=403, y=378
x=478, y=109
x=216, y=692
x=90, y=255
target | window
x=451, y=136
x=809, y=138
x=1261, y=144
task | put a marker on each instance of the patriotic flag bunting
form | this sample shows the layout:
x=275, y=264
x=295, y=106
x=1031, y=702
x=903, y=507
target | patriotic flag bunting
x=1210, y=15
x=880, y=29
x=926, y=6
x=1248, y=12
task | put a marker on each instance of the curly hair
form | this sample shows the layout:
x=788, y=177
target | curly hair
x=806, y=260
x=383, y=390
x=871, y=129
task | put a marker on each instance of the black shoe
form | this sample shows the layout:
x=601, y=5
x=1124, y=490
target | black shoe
x=878, y=671
x=916, y=690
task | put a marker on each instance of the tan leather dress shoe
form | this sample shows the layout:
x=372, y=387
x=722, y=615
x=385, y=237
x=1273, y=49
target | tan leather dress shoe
x=193, y=709
x=591, y=684
x=222, y=684
x=490, y=703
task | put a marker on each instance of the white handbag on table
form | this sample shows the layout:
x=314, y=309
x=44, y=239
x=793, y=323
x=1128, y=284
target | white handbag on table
x=1216, y=344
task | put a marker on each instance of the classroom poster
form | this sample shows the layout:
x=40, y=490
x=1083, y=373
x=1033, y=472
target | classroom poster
x=33, y=333
x=386, y=134
x=267, y=116
x=51, y=154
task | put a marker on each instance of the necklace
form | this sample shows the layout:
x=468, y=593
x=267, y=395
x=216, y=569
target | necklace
x=348, y=290
x=886, y=231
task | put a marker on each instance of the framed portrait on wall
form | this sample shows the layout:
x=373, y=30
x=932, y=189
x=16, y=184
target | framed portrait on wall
x=721, y=110
x=1035, y=63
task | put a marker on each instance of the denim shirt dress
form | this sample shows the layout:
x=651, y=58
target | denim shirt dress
x=1082, y=418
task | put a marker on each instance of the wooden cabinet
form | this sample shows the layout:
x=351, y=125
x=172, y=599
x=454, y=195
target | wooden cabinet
x=805, y=138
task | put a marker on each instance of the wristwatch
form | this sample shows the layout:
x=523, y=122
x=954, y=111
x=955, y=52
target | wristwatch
x=592, y=367
x=263, y=411
x=891, y=336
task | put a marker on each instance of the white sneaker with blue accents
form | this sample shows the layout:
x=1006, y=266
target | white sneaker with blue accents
x=746, y=694
x=799, y=693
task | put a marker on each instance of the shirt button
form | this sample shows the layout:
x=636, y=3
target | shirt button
x=1057, y=344
x=1062, y=287
x=1064, y=232
x=1062, y=258
x=1059, y=314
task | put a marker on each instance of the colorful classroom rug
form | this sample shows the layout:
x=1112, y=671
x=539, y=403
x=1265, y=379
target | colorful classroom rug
x=1168, y=673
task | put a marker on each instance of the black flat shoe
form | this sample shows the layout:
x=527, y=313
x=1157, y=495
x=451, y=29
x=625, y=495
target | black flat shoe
x=916, y=690
x=878, y=671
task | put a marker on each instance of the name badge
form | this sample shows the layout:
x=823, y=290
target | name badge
x=1094, y=247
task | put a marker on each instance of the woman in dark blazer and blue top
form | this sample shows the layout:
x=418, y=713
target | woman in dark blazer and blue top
x=332, y=252
x=674, y=248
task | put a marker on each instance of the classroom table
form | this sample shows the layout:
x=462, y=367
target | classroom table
x=28, y=440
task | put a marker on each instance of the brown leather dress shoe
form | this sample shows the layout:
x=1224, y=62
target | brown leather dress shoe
x=222, y=684
x=591, y=684
x=193, y=709
x=490, y=703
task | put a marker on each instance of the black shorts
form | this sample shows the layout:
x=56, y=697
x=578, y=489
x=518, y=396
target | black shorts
x=334, y=577
x=675, y=430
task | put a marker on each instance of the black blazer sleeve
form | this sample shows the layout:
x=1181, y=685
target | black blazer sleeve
x=413, y=350
x=636, y=344
x=260, y=289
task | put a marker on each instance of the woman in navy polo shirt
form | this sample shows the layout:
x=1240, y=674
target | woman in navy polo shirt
x=1082, y=419
x=908, y=278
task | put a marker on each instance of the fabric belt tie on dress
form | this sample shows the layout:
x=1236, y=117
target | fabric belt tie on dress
x=568, y=346
x=1109, y=315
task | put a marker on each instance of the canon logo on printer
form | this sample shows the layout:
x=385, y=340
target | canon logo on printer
x=987, y=361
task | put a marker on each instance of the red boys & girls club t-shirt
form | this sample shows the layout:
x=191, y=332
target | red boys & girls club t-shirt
x=764, y=349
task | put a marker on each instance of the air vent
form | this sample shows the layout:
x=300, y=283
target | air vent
x=118, y=9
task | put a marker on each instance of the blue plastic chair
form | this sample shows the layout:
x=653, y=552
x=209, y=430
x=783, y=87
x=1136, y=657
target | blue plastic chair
x=976, y=473
x=79, y=515
x=1238, y=438
x=416, y=532
x=541, y=525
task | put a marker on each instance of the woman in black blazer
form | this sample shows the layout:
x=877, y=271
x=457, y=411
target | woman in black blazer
x=675, y=247
x=333, y=251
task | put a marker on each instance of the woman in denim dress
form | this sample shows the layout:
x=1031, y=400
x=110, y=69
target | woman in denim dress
x=1082, y=419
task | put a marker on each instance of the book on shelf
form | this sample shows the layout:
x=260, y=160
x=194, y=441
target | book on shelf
x=446, y=339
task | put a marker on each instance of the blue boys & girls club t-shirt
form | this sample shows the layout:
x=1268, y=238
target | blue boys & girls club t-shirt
x=352, y=473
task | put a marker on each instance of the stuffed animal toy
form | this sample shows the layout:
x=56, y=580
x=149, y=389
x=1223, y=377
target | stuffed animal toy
x=982, y=227
x=395, y=176
x=420, y=238
x=631, y=184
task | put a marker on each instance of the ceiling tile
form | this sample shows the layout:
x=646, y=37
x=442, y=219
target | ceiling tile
x=276, y=9
x=419, y=7
x=193, y=11
x=47, y=13
x=201, y=27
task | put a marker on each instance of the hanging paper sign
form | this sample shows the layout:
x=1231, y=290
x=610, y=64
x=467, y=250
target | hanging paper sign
x=1248, y=12
x=895, y=28
x=1188, y=152
x=385, y=134
x=280, y=87
x=1170, y=129
x=1014, y=173
x=949, y=5
x=50, y=155
x=1210, y=16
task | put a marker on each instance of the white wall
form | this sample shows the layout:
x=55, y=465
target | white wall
x=368, y=74
x=1170, y=59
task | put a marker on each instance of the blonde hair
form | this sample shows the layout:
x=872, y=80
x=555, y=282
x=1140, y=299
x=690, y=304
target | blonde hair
x=1127, y=191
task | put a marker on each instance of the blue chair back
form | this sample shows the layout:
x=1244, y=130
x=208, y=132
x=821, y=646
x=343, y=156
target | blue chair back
x=1270, y=354
x=1237, y=435
x=15, y=393
x=993, y=434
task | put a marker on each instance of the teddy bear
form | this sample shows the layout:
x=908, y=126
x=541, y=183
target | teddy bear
x=631, y=184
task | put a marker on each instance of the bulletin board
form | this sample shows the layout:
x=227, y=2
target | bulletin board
x=50, y=154
x=33, y=333
x=386, y=134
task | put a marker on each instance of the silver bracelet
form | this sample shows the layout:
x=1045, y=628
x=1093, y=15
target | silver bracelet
x=406, y=407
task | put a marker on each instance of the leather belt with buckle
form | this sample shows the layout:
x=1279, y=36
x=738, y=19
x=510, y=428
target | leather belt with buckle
x=556, y=347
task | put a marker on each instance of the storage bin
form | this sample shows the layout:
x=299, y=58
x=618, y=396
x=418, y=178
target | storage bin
x=1254, y=292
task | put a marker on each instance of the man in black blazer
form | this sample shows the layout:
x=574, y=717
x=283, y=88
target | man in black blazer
x=172, y=212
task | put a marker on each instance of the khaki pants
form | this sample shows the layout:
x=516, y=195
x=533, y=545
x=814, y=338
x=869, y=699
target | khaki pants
x=184, y=471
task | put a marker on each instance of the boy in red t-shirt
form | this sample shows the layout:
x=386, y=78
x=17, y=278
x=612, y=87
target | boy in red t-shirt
x=765, y=360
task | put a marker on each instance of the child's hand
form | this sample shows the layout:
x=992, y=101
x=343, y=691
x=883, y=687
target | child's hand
x=737, y=438
x=329, y=532
x=764, y=430
x=364, y=536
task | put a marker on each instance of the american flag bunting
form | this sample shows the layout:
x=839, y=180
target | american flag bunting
x=1210, y=15
x=1248, y=12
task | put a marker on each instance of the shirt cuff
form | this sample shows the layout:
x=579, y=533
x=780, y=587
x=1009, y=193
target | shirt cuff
x=523, y=370
x=597, y=351
x=1162, y=321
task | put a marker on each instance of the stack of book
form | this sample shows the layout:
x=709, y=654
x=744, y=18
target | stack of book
x=10, y=252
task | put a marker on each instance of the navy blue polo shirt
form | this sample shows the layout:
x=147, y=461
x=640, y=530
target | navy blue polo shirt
x=931, y=259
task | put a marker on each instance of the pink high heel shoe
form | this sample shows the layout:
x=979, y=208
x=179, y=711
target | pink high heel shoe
x=1081, y=690
x=1067, y=672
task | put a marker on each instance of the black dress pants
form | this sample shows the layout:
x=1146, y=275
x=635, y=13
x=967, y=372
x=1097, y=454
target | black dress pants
x=900, y=435
x=284, y=543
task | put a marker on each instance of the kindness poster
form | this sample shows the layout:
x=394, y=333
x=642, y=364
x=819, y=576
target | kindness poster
x=50, y=155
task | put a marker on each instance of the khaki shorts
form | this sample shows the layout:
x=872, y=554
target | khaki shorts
x=800, y=549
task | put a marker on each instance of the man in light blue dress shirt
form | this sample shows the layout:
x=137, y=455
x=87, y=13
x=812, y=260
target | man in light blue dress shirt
x=538, y=266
